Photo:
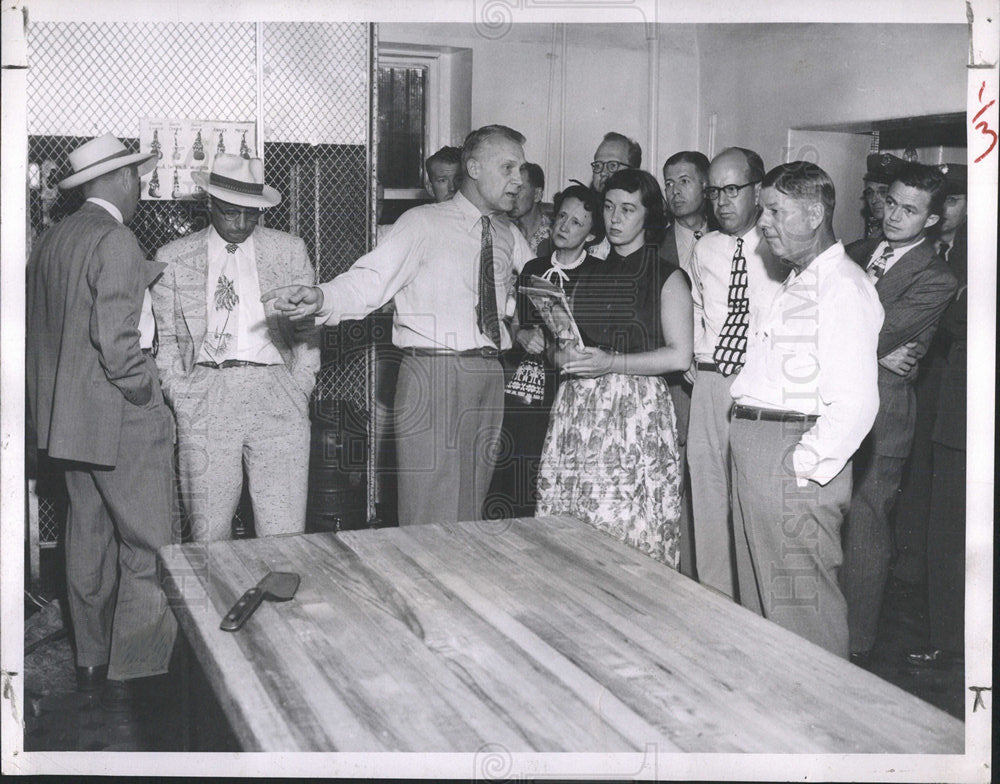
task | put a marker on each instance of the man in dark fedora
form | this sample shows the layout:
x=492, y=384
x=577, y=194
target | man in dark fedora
x=96, y=402
x=237, y=374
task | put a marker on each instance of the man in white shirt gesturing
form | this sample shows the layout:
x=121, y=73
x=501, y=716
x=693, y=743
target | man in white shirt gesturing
x=450, y=268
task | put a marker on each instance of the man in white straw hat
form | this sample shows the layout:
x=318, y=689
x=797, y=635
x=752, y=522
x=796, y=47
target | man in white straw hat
x=238, y=374
x=99, y=412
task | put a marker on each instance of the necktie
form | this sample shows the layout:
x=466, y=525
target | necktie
x=876, y=269
x=698, y=234
x=486, y=310
x=730, y=349
x=226, y=316
x=943, y=247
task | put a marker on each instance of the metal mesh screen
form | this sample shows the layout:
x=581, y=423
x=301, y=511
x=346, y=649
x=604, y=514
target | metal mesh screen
x=89, y=78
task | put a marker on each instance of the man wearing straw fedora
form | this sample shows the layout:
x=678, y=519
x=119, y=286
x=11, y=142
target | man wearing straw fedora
x=99, y=412
x=238, y=374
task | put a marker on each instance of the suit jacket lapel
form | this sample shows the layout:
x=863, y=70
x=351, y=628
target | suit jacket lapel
x=268, y=261
x=190, y=272
x=898, y=276
x=668, y=248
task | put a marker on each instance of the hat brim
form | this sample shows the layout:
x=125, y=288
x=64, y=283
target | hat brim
x=270, y=197
x=145, y=160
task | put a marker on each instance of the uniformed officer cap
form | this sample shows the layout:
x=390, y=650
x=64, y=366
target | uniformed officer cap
x=956, y=176
x=882, y=167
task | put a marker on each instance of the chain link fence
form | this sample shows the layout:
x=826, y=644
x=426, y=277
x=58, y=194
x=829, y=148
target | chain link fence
x=308, y=88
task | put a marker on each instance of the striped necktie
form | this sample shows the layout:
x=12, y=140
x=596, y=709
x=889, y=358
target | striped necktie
x=486, y=311
x=732, y=345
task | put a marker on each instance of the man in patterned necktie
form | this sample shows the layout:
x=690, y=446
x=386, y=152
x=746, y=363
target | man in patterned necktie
x=733, y=275
x=914, y=286
x=237, y=374
x=450, y=269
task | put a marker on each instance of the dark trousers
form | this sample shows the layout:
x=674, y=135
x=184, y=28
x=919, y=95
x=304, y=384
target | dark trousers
x=447, y=417
x=118, y=518
x=680, y=393
x=868, y=546
x=946, y=550
x=513, y=491
x=788, y=538
x=913, y=509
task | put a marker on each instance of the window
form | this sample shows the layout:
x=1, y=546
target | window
x=424, y=103
x=402, y=122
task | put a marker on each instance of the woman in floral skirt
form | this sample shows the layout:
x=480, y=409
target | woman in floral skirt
x=610, y=456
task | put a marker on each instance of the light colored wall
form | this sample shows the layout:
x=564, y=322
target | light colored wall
x=518, y=81
x=761, y=80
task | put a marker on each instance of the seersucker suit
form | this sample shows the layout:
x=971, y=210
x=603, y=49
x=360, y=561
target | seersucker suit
x=231, y=420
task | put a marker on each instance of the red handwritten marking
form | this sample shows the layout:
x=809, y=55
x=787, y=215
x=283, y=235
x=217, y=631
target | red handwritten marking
x=984, y=127
x=980, y=112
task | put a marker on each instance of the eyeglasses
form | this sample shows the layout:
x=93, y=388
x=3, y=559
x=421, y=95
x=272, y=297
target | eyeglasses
x=732, y=191
x=609, y=166
x=233, y=214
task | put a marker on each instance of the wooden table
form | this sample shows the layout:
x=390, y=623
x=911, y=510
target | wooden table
x=538, y=634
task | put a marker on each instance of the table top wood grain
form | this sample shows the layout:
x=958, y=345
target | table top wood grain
x=539, y=635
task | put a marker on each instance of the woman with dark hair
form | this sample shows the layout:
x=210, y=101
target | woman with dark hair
x=610, y=456
x=576, y=226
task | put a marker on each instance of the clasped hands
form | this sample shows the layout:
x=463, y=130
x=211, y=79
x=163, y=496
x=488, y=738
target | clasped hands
x=297, y=302
x=591, y=362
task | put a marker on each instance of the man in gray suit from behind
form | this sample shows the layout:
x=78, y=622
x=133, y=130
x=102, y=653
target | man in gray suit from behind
x=914, y=286
x=99, y=413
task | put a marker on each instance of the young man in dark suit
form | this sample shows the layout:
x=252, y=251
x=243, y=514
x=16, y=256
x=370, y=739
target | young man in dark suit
x=945, y=556
x=99, y=412
x=914, y=286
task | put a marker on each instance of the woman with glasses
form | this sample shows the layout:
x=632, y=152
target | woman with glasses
x=610, y=455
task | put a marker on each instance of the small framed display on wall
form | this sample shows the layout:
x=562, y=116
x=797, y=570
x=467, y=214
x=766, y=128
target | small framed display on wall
x=185, y=146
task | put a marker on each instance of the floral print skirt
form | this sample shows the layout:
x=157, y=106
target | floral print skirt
x=611, y=459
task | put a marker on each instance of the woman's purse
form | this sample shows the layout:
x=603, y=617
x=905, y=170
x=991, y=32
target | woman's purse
x=528, y=383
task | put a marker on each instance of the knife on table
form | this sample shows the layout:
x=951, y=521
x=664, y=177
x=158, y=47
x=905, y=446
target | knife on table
x=274, y=586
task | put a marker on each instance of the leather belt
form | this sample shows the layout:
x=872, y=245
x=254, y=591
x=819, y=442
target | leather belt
x=707, y=366
x=770, y=414
x=486, y=352
x=231, y=363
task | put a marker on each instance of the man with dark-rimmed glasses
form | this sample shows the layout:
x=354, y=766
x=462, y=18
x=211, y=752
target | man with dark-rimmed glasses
x=615, y=152
x=734, y=274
